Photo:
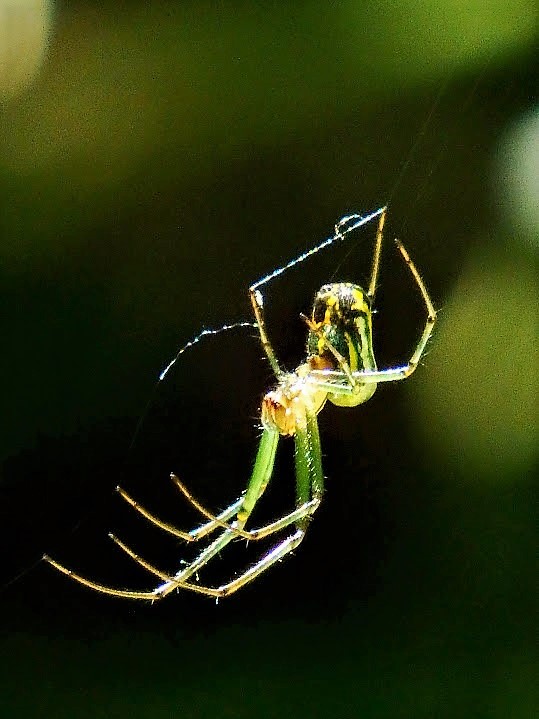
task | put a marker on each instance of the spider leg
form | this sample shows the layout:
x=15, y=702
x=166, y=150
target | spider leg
x=103, y=588
x=140, y=560
x=151, y=595
x=337, y=382
x=351, y=220
x=177, y=582
x=257, y=302
x=260, y=477
x=309, y=484
x=376, y=256
x=194, y=534
x=305, y=509
x=276, y=553
x=309, y=490
x=171, y=529
x=431, y=312
x=216, y=521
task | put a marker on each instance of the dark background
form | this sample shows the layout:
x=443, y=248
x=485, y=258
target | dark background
x=156, y=159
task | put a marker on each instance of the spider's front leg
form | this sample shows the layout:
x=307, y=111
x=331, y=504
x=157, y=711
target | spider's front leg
x=431, y=312
x=397, y=373
x=257, y=302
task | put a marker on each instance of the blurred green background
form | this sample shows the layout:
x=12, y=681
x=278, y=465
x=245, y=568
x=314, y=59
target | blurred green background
x=155, y=160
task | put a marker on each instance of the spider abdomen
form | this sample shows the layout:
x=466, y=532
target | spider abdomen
x=342, y=315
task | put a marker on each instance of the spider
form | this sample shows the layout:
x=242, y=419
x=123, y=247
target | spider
x=339, y=367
